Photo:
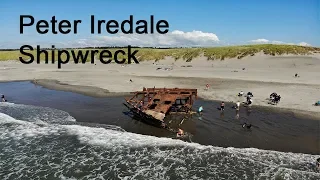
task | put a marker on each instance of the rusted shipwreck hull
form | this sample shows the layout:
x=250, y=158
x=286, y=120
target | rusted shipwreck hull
x=151, y=105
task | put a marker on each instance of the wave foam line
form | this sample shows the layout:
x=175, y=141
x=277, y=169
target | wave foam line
x=113, y=153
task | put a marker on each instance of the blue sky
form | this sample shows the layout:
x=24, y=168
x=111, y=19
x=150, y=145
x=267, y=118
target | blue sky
x=201, y=22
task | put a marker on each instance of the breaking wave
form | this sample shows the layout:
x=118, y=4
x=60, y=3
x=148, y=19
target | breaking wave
x=34, y=144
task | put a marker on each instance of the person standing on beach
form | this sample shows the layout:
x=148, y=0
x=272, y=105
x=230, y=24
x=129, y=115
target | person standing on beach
x=250, y=101
x=238, y=105
x=222, y=106
x=3, y=99
x=207, y=86
x=200, y=109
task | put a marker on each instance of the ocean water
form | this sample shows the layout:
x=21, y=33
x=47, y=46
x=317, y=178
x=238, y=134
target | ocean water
x=45, y=143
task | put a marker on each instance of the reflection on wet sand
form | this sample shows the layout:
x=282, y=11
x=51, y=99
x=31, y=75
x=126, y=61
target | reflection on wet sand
x=237, y=115
x=222, y=114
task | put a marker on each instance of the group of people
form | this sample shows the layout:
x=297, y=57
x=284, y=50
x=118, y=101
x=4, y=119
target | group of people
x=275, y=98
x=222, y=108
x=237, y=106
x=249, y=97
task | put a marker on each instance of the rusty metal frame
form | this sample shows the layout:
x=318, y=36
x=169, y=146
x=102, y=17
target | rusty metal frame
x=167, y=99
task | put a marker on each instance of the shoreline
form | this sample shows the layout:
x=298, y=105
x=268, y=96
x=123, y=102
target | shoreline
x=260, y=74
x=97, y=92
x=272, y=129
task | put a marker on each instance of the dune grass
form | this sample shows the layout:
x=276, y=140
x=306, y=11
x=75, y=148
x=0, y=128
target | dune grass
x=186, y=54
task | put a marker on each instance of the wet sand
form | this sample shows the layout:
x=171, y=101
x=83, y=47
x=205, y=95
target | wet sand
x=272, y=129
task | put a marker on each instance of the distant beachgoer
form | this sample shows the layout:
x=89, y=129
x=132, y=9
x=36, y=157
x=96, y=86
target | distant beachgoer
x=318, y=163
x=238, y=105
x=222, y=106
x=250, y=94
x=131, y=80
x=180, y=132
x=3, y=99
x=275, y=98
x=248, y=99
x=207, y=86
x=273, y=95
x=240, y=93
x=200, y=109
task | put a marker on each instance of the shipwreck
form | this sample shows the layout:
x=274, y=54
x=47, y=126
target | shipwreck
x=152, y=105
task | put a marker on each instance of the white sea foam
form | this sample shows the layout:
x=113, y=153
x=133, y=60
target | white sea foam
x=35, y=113
x=74, y=151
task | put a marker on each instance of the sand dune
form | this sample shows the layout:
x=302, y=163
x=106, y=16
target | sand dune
x=259, y=74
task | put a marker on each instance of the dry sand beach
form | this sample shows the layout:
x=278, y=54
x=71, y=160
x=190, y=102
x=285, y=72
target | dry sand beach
x=260, y=74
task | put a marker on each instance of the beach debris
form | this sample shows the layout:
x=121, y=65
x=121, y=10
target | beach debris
x=156, y=103
x=296, y=75
x=166, y=69
x=187, y=66
x=131, y=80
x=182, y=121
x=180, y=132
